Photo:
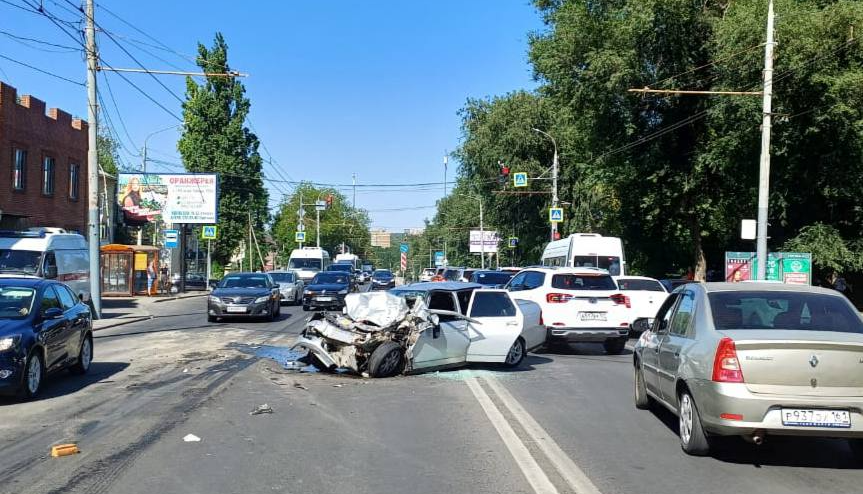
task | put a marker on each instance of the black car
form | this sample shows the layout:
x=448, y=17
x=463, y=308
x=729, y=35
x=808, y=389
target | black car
x=491, y=279
x=327, y=290
x=345, y=268
x=383, y=279
x=244, y=294
x=44, y=328
x=194, y=281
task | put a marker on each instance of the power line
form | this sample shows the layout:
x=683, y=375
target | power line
x=119, y=114
x=37, y=69
x=151, y=38
x=144, y=93
x=23, y=40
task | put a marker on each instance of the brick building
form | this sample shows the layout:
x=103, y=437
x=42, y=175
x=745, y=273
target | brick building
x=43, y=165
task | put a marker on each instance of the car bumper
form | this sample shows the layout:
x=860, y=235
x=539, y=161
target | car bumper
x=11, y=371
x=288, y=295
x=383, y=286
x=762, y=412
x=314, y=301
x=585, y=335
x=251, y=310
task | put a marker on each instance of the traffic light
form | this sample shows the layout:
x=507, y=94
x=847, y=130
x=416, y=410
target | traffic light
x=329, y=200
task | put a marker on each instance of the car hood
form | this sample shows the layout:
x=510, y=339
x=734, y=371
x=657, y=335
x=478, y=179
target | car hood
x=240, y=292
x=287, y=284
x=383, y=279
x=330, y=287
x=13, y=326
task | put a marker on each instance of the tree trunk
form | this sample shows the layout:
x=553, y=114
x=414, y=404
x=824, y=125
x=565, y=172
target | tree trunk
x=700, y=270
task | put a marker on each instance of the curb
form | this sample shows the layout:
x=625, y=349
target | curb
x=124, y=322
x=168, y=299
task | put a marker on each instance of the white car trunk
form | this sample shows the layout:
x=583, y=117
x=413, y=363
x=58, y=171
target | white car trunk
x=585, y=309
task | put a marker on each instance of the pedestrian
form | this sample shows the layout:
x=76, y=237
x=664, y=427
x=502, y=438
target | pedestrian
x=839, y=284
x=151, y=276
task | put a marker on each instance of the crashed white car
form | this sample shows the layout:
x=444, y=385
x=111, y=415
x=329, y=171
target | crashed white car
x=423, y=326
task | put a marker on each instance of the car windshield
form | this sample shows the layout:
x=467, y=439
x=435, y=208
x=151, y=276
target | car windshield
x=283, y=277
x=609, y=263
x=249, y=281
x=583, y=282
x=340, y=267
x=639, y=284
x=409, y=295
x=15, y=302
x=491, y=278
x=334, y=278
x=382, y=273
x=452, y=274
x=19, y=261
x=783, y=310
x=304, y=263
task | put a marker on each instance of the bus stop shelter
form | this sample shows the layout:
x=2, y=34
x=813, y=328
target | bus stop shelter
x=124, y=269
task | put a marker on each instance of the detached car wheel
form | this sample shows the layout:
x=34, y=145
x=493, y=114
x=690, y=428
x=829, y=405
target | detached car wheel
x=387, y=360
x=85, y=356
x=693, y=439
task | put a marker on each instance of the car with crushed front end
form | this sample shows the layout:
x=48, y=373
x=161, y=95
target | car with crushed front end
x=754, y=360
x=44, y=328
x=244, y=295
x=327, y=290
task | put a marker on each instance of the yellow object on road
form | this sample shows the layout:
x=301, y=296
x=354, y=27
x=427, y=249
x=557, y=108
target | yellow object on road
x=64, y=450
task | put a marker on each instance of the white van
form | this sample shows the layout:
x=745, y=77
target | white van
x=49, y=253
x=586, y=250
x=352, y=259
x=308, y=261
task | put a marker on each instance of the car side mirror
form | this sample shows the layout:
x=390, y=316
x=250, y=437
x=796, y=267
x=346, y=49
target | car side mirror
x=50, y=272
x=436, y=331
x=52, y=313
x=434, y=319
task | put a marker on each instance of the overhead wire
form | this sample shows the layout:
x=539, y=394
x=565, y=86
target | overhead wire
x=43, y=71
x=24, y=40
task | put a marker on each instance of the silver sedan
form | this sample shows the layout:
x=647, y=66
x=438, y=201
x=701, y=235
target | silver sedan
x=290, y=286
x=754, y=360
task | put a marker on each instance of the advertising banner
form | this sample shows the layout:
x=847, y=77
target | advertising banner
x=491, y=241
x=168, y=197
x=785, y=267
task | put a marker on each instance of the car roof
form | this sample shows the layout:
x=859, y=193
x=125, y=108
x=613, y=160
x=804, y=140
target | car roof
x=245, y=273
x=627, y=277
x=764, y=287
x=567, y=270
x=23, y=280
x=427, y=286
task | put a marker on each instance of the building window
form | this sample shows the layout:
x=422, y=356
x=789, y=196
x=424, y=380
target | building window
x=48, y=176
x=19, y=169
x=74, y=174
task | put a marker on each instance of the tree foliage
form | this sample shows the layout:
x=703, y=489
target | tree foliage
x=106, y=151
x=215, y=139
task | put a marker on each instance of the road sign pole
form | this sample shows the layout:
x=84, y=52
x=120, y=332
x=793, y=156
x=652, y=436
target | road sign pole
x=209, y=264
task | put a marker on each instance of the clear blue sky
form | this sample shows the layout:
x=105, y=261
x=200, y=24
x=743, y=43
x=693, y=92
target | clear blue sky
x=336, y=87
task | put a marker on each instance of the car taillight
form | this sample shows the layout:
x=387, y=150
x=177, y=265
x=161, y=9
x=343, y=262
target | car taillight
x=726, y=365
x=541, y=322
x=557, y=298
x=621, y=299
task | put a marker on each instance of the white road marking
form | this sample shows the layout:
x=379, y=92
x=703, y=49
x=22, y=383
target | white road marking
x=574, y=476
x=528, y=465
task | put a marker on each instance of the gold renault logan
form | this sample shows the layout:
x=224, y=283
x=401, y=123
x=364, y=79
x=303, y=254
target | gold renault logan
x=754, y=360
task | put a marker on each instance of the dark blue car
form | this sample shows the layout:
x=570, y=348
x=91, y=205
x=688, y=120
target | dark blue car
x=44, y=328
x=491, y=279
x=383, y=279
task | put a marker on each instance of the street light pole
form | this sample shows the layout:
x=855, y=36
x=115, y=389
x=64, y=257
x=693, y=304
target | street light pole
x=554, y=171
x=764, y=168
x=144, y=151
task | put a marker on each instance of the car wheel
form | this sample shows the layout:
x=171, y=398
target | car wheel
x=271, y=314
x=34, y=371
x=212, y=319
x=279, y=309
x=85, y=356
x=642, y=400
x=515, y=354
x=306, y=308
x=693, y=439
x=386, y=360
x=615, y=346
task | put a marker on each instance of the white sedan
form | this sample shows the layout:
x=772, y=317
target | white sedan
x=646, y=295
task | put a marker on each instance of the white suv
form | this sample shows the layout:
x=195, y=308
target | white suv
x=578, y=304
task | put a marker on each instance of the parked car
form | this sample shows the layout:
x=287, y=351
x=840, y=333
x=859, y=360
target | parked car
x=244, y=295
x=671, y=284
x=290, y=286
x=427, y=274
x=383, y=279
x=194, y=281
x=645, y=297
x=462, y=324
x=578, y=304
x=754, y=360
x=491, y=279
x=327, y=290
x=44, y=328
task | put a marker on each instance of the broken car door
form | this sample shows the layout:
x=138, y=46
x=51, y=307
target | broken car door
x=495, y=324
x=445, y=344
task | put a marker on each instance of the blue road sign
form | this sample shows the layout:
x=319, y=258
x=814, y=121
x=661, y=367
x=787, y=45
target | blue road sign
x=300, y=237
x=172, y=239
x=404, y=248
x=555, y=215
x=209, y=232
x=519, y=179
x=513, y=242
x=438, y=258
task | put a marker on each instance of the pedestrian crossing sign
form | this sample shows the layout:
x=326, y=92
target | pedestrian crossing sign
x=555, y=215
x=519, y=179
x=209, y=232
x=300, y=237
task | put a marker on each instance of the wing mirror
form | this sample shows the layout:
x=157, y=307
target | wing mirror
x=50, y=272
x=434, y=319
x=53, y=313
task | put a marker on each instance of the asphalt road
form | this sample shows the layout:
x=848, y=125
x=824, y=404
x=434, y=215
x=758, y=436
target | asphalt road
x=563, y=422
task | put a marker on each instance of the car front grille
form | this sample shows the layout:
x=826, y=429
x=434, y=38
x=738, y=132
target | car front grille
x=238, y=300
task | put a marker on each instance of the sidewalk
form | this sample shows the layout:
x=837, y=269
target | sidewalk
x=117, y=311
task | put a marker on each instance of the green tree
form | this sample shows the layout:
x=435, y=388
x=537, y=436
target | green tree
x=215, y=139
x=106, y=151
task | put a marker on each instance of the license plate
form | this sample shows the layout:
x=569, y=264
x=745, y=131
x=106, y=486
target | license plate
x=803, y=417
x=236, y=308
x=325, y=299
x=591, y=316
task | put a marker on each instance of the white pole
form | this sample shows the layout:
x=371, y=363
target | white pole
x=318, y=213
x=481, y=237
x=209, y=264
x=764, y=168
x=92, y=168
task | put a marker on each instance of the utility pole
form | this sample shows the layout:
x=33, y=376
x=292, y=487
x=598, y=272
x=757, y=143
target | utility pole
x=251, y=255
x=93, y=168
x=481, y=237
x=318, y=218
x=554, y=171
x=302, y=214
x=764, y=167
x=355, y=191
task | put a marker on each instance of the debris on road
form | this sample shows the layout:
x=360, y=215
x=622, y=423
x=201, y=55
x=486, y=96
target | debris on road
x=261, y=409
x=300, y=386
x=372, y=320
x=191, y=438
x=64, y=450
x=338, y=385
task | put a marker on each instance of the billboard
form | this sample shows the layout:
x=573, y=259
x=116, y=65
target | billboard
x=168, y=197
x=491, y=241
x=785, y=267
